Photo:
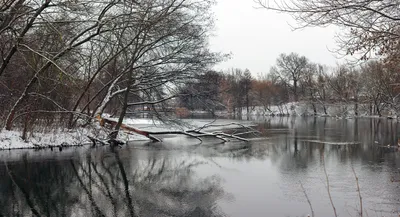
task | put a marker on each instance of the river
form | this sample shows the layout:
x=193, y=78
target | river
x=266, y=177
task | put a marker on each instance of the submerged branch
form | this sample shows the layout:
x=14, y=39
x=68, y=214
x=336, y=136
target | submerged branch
x=196, y=133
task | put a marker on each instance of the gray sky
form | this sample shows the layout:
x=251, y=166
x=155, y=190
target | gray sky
x=256, y=37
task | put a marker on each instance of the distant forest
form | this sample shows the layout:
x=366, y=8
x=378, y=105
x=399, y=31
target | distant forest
x=372, y=87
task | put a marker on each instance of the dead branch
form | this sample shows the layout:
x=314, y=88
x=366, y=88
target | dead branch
x=245, y=133
x=96, y=141
x=232, y=136
x=205, y=134
x=196, y=133
x=226, y=125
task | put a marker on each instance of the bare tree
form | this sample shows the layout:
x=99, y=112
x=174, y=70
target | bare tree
x=372, y=26
x=203, y=92
x=52, y=59
x=167, y=52
x=380, y=86
x=245, y=84
x=310, y=87
x=110, y=55
x=291, y=69
x=346, y=85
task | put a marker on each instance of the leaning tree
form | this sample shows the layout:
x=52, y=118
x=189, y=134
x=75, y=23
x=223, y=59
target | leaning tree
x=80, y=58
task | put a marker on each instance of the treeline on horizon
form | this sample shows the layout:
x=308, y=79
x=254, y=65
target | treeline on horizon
x=371, y=88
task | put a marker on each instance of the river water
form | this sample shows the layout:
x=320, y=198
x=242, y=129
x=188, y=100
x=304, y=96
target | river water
x=266, y=177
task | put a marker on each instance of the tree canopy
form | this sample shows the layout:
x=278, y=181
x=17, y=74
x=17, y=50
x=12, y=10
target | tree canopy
x=85, y=57
x=371, y=28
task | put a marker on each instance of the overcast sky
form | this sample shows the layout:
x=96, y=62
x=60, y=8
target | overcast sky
x=256, y=37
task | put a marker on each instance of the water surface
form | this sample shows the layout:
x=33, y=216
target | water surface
x=269, y=177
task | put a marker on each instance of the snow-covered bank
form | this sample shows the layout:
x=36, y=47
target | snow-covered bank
x=340, y=110
x=57, y=138
x=79, y=136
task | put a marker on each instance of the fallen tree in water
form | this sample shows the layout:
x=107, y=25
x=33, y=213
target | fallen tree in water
x=238, y=133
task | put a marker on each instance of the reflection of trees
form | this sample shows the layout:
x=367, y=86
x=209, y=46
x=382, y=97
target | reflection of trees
x=241, y=151
x=112, y=184
x=297, y=158
x=36, y=188
x=371, y=133
x=292, y=149
x=153, y=183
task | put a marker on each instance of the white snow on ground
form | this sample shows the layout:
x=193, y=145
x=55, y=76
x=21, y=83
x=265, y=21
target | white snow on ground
x=13, y=139
x=74, y=137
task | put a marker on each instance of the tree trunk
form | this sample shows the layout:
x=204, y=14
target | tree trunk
x=26, y=125
x=124, y=106
x=356, y=107
x=314, y=109
x=78, y=101
x=378, y=111
x=370, y=109
x=24, y=95
x=247, y=106
x=295, y=90
x=325, y=112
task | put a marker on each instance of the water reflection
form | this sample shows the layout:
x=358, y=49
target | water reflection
x=261, y=178
x=298, y=148
x=112, y=183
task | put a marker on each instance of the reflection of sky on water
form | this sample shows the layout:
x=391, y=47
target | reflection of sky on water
x=270, y=183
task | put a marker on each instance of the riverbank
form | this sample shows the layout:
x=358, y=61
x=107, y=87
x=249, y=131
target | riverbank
x=337, y=110
x=60, y=138
x=57, y=138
